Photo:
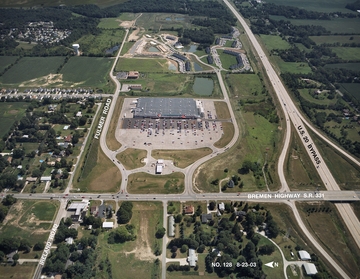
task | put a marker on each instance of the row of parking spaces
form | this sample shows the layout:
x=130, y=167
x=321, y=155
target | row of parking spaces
x=169, y=124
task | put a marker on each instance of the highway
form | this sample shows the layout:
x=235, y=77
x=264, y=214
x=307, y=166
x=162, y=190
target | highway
x=292, y=114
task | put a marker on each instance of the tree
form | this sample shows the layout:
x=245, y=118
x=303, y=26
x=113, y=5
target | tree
x=212, y=205
x=3, y=212
x=124, y=213
x=201, y=248
x=15, y=258
x=39, y=246
x=183, y=248
x=178, y=218
x=266, y=249
x=9, y=200
x=160, y=232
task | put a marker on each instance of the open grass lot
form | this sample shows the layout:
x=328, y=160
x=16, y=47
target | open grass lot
x=290, y=274
x=274, y=42
x=6, y=61
x=111, y=141
x=226, y=59
x=110, y=23
x=39, y=211
x=31, y=3
x=103, y=177
x=291, y=67
x=347, y=53
x=347, y=66
x=88, y=71
x=97, y=44
x=328, y=225
x=9, y=113
x=299, y=169
x=222, y=110
x=126, y=47
x=181, y=158
x=338, y=25
x=242, y=86
x=319, y=5
x=30, y=68
x=331, y=39
x=24, y=271
x=136, y=258
x=352, y=88
x=144, y=183
x=131, y=158
x=322, y=99
x=156, y=21
x=157, y=65
x=228, y=134
x=346, y=174
x=275, y=256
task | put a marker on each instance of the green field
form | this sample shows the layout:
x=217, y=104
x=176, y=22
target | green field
x=347, y=66
x=24, y=271
x=352, y=88
x=6, y=61
x=226, y=59
x=291, y=67
x=155, y=65
x=338, y=25
x=131, y=158
x=31, y=3
x=275, y=256
x=29, y=68
x=9, y=113
x=109, y=23
x=274, y=42
x=97, y=44
x=144, y=183
x=242, y=86
x=318, y=5
x=154, y=21
x=347, y=53
x=87, y=71
x=332, y=39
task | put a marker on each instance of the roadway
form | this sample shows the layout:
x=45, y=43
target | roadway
x=292, y=114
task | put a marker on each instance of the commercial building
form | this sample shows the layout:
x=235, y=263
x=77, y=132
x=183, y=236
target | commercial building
x=166, y=108
x=79, y=208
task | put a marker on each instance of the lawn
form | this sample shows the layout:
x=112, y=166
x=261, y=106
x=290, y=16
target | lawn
x=275, y=256
x=328, y=225
x=6, y=61
x=228, y=134
x=131, y=158
x=97, y=44
x=144, y=183
x=331, y=39
x=39, y=211
x=320, y=99
x=274, y=42
x=226, y=59
x=87, y=71
x=9, y=113
x=155, y=65
x=28, y=69
x=291, y=67
x=109, y=23
x=181, y=158
x=347, y=53
x=24, y=271
x=242, y=86
x=222, y=110
x=111, y=141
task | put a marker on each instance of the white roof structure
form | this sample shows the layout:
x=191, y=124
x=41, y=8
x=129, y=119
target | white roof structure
x=78, y=207
x=310, y=268
x=192, y=258
x=221, y=206
x=160, y=161
x=45, y=178
x=171, y=228
x=108, y=225
x=304, y=256
x=69, y=240
x=159, y=169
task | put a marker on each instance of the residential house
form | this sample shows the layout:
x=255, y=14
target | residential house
x=188, y=209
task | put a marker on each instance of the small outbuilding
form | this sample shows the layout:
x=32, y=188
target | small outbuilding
x=108, y=225
x=304, y=255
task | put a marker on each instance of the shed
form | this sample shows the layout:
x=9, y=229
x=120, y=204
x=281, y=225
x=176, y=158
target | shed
x=304, y=255
x=45, y=178
x=108, y=225
x=310, y=269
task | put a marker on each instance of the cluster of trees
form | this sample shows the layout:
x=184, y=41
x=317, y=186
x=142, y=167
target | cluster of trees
x=124, y=213
x=64, y=232
x=83, y=264
x=217, y=25
x=11, y=244
x=5, y=205
x=57, y=259
x=177, y=267
x=353, y=6
x=122, y=234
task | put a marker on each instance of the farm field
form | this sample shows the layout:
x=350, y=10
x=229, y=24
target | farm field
x=6, y=61
x=274, y=42
x=347, y=66
x=87, y=71
x=148, y=65
x=329, y=224
x=155, y=21
x=352, y=88
x=181, y=158
x=244, y=86
x=144, y=183
x=131, y=158
x=332, y=39
x=319, y=5
x=109, y=23
x=137, y=256
x=9, y=113
x=31, y=3
x=338, y=25
x=347, y=53
x=29, y=69
x=97, y=44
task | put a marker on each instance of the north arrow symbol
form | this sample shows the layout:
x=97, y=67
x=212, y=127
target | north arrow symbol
x=270, y=264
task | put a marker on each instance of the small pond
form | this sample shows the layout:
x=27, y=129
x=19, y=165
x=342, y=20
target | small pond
x=203, y=86
x=153, y=49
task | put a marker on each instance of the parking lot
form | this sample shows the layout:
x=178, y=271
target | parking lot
x=168, y=133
